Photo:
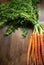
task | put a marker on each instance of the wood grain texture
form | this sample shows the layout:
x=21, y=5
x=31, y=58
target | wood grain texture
x=13, y=48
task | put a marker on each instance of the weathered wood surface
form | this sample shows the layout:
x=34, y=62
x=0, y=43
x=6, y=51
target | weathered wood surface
x=3, y=1
x=13, y=48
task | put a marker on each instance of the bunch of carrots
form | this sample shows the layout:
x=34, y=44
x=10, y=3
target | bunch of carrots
x=35, y=54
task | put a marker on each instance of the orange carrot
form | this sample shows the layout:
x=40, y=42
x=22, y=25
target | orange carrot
x=29, y=50
x=43, y=43
x=43, y=37
x=33, y=51
x=36, y=47
x=39, y=47
x=42, y=46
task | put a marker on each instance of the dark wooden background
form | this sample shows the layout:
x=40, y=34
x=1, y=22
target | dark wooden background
x=13, y=48
x=3, y=0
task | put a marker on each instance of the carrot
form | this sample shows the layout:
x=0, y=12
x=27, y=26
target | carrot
x=42, y=46
x=43, y=49
x=39, y=54
x=43, y=37
x=33, y=51
x=29, y=50
x=36, y=47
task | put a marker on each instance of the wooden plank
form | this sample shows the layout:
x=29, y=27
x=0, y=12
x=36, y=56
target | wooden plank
x=18, y=48
x=13, y=48
x=41, y=11
x=4, y=47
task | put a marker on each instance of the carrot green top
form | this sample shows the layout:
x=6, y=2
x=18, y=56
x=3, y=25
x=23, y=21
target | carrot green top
x=17, y=13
